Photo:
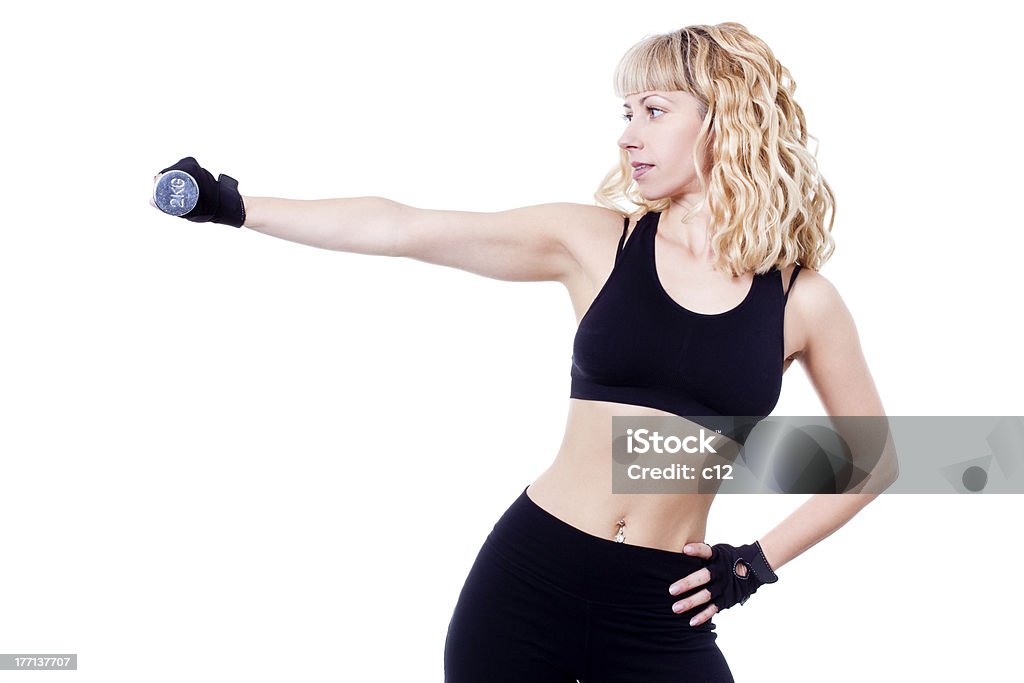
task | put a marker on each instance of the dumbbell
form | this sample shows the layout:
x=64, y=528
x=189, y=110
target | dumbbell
x=187, y=190
x=175, y=192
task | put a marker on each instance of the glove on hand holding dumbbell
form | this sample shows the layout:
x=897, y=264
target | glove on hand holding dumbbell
x=188, y=190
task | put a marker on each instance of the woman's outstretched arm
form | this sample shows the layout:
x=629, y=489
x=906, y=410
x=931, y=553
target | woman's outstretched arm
x=531, y=243
x=363, y=225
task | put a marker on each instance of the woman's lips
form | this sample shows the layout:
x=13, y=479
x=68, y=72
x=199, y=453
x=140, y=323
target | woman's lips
x=640, y=170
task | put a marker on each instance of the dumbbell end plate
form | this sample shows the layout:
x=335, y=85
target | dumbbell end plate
x=176, y=193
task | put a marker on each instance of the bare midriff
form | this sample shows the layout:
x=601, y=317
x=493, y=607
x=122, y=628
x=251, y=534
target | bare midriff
x=577, y=487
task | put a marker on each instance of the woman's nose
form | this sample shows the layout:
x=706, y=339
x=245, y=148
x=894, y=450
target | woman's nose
x=627, y=143
x=629, y=138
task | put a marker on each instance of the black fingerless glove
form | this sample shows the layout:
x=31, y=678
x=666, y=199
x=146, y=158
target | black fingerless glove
x=219, y=200
x=727, y=587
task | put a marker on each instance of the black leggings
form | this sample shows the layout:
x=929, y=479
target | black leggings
x=547, y=603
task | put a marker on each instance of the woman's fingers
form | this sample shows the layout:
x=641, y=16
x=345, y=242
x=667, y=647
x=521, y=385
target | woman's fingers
x=698, y=550
x=692, y=601
x=704, y=616
x=698, y=578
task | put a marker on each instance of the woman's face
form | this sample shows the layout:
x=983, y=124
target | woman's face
x=662, y=131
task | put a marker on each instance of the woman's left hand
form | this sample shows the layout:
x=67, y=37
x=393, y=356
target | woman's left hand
x=697, y=578
x=731, y=576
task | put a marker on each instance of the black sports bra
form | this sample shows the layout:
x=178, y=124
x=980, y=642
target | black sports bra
x=637, y=345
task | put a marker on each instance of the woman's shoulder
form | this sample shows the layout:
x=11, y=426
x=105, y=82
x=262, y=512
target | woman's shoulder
x=595, y=231
x=813, y=296
x=596, y=217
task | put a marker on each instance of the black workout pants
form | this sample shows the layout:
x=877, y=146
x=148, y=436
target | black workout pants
x=547, y=603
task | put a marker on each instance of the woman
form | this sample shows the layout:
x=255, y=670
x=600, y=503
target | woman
x=684, y=307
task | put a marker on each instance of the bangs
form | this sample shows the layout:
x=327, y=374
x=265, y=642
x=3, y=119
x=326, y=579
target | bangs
x=655, y=63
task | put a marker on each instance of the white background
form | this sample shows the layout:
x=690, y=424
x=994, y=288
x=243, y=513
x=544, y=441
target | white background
x=230, y=456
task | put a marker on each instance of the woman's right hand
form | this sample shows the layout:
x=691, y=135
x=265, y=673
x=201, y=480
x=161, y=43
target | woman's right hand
x=219, y=200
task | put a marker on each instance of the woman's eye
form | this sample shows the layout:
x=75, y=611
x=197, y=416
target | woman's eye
x=629, y=117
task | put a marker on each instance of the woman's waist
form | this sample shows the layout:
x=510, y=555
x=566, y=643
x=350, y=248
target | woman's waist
x=530, y=541
x=577, y=489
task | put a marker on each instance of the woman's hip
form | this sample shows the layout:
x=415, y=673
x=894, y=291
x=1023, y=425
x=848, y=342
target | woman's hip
x=533, y=543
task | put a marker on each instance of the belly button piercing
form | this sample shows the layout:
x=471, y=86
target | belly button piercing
x=621, y=537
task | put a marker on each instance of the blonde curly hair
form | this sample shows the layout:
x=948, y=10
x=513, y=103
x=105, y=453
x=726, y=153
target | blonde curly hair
x=766, y=196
